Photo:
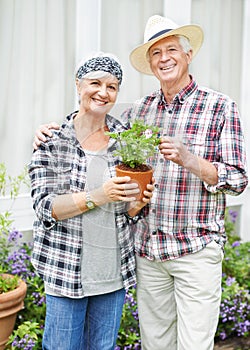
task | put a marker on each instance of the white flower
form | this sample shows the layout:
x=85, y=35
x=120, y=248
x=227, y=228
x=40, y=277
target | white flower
x=148, y=133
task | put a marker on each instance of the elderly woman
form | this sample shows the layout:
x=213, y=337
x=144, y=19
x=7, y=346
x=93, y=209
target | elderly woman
x=83, y=247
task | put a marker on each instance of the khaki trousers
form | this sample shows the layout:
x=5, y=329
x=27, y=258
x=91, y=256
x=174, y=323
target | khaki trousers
x=179, y=300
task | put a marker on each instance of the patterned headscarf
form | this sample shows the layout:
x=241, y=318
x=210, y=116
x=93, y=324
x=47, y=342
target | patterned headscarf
x=102, y=63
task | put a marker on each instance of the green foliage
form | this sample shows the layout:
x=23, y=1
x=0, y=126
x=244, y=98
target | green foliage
x=26, y=336
x=137, y=144
x=230, y=220
x=234, y=319
x=129, y=333
x=8, y=284
x=11, y=184
x=15, y=260
x=237, y=262
x=5, y=245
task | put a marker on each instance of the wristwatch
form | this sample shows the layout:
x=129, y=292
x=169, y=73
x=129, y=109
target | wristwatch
x=89, y=203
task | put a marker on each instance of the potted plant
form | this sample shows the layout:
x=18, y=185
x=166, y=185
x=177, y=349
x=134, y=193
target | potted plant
x=12, y=287
x=12, y=294
x=135, y=146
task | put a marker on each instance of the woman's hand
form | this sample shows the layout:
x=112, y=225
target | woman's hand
x=43, y=131
x=116, y=189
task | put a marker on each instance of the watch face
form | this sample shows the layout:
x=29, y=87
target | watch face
x=90, y=205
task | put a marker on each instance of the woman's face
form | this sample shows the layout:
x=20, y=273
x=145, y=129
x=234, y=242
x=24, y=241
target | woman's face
x=97, y=95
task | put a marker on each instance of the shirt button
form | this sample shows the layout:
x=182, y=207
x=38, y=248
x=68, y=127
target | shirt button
x=154, y=233
x=156, y=185
x=170, y=112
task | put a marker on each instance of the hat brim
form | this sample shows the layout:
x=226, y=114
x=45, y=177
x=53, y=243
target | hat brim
x=138, y=56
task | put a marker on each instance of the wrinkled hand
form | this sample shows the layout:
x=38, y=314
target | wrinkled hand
x=115, y=189
x=136, y=206
x=174, y=150
x=43, y=131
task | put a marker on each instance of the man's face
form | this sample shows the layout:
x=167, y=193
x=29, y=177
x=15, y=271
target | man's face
x=168, y=61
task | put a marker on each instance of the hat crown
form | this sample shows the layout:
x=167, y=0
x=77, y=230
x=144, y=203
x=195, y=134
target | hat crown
x=156, y=24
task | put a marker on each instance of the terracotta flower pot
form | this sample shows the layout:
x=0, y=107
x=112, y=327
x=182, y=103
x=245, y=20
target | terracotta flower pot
x=10, y=303
x=142, y=178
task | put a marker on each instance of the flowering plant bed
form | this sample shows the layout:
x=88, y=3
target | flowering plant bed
x=15, y=262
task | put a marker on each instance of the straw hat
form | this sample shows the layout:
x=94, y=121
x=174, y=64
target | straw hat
x=158, y=28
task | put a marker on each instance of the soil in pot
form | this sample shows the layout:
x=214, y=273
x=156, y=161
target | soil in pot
x=142, y=175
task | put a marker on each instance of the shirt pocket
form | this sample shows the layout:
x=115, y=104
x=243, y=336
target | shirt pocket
x=201, y=146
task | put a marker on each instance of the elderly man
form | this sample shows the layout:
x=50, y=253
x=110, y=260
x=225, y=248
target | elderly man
x=179, y=244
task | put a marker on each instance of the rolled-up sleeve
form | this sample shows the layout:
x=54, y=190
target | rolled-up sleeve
x=43, y=184
x=231, y=155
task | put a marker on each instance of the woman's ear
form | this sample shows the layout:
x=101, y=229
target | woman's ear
x=77, y=84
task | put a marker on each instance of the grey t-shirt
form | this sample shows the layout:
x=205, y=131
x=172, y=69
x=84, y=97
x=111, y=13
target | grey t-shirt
x=101, y=260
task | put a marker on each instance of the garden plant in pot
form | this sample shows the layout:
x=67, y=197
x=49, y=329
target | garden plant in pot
x=12, y=294
x=12, y=288
x=136, y=145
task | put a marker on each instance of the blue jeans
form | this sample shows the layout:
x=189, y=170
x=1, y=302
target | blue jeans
x=90, y=323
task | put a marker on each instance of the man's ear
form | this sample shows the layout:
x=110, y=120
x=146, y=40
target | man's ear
x=189, y=56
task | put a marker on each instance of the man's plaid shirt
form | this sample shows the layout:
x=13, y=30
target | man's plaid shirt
x=59, y=167
x=185, y=213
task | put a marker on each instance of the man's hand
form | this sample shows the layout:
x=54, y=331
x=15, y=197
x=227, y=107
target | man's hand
x=43, y=131
x=136, y=206
x=174, y=150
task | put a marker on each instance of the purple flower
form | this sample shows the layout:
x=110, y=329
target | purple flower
x=230, y=281
x=14, y=236
x=223, y=335
x=236, y=244
x=233, y=215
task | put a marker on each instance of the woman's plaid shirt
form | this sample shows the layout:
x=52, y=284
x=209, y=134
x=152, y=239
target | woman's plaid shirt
x=185, y=214
x=59, y=167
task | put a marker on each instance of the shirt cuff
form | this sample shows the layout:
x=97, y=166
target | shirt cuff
x=222, y=178
x=133, y=219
